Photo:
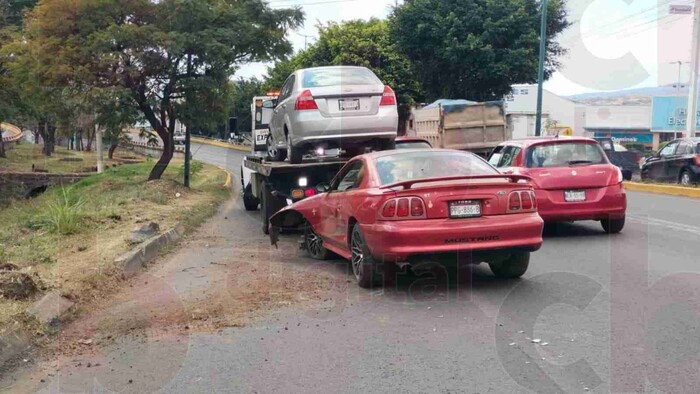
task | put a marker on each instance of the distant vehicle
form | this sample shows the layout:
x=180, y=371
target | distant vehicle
x=572, y=176
x=401, y=205
x=332, y=107
x=458, y=124
x=412, y=143
x=618, y=155
x=261, y=110
x=678, y=161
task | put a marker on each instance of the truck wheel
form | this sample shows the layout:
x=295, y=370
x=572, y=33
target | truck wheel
x=613, y=226
x=295, y=155
x=513, y=267
x=364, y=266
x=273, y=153
x=314, y=244
x=249, y=201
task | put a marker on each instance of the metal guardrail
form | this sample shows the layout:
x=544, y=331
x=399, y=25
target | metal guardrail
x=246, y=139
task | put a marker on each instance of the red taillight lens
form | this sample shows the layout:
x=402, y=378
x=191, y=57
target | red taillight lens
x=697, y=160
x=388, y=98
x=402, y=210
x=305, y=101
x=534, y=200
x=417, y=208
x=389, y=210
x=526, y=200
x=514, y=202
x=310, y=192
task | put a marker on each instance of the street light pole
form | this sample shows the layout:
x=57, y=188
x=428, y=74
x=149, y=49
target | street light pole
x=540, y=71
x=691, y=119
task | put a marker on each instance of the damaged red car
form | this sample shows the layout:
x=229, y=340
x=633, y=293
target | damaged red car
x=403, y=205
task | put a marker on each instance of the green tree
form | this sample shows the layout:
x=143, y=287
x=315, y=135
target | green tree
x=356, y=43
x=243, y=91
x=161, y=52
x=476, y=49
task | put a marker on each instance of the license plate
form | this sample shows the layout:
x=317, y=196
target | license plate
x=574, y=195
x=465, y=209
x=349, y=104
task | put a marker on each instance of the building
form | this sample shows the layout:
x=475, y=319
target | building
x=558, y=113
x=625, y=124
x=668, y=117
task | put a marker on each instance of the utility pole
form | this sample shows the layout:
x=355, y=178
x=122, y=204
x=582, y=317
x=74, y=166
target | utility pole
x=678, y=97
x=540, y=71
x=691, y=119
x=187, y=156
x=98, y=148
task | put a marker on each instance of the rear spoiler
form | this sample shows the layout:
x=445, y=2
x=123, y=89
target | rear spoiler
x=408, y=184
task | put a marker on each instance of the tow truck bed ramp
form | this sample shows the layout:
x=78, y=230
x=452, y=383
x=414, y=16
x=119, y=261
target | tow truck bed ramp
x=265, y=168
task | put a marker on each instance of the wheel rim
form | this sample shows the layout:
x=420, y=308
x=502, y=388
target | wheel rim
x=289, y=146
x=358, y=257
x=271, y=150
x=313, y=242
x=685, y=179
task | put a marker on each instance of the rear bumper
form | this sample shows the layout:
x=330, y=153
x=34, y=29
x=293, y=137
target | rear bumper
x=601, y=203
x=400, y=240
x=312, y=127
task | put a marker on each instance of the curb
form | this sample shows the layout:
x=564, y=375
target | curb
x=692, y=192
x=132, y=261
x=220, y=144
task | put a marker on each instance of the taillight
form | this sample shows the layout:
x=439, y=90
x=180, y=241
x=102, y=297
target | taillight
x=388, y=97
x=310, y=192
x=403, y=208
x=697, y=160
x=522, y=201
x=618, y=177
x=305, y=101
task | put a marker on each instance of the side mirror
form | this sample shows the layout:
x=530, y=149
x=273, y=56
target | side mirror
x=268, y=104
x=323, y=187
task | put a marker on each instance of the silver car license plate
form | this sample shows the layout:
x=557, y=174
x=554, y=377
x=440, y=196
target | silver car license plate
x=349, y=104
x=574, y=195
x=465, y=209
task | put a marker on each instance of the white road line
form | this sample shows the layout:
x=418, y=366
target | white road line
x=664, y=223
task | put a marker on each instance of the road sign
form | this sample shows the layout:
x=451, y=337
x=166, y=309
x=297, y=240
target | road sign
x=680, y=9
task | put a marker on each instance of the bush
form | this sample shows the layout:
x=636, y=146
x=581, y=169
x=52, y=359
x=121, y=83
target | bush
x=64, y=214
x=195, y=168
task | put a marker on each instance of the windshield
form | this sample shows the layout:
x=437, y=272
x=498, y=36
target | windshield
x=402, y=167
x=338, y=76
x=563, y=154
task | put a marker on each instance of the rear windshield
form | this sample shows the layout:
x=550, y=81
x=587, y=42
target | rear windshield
x=563, y=154
x=410, y=166
x=339, y=76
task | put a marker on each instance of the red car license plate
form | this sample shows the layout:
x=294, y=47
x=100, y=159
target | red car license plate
x=349, y=104
x=465, y=209
x=574, y=195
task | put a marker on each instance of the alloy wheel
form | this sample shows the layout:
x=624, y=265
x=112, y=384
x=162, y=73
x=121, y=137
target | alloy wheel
x=314, y=243
x=358, y=257
x=271, y=150
x=685, y=179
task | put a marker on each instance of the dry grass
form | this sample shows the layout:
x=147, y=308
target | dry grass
x=21, y=158
x=80, y=265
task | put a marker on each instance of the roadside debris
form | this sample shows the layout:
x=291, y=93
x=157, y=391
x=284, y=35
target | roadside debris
x=142, y=233
x=17, y=285
x=85, y=341
x=536, y=340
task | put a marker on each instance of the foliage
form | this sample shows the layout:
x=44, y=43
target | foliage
x=166, y=54
x=476, y=49
x=243, y=91
x=64, y=214
x=196, y=167
x=150, y=137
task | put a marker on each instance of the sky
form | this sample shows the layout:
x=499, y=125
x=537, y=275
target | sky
x=613, y=44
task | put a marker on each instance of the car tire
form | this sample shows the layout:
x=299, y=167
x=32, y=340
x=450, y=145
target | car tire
x=364, y=266
x=274, y=153
x=613, y=226
x=249, y=201
x=314, y=244
x=685, y=178
x=386, y=145
x=295, y=155
x=513, y=267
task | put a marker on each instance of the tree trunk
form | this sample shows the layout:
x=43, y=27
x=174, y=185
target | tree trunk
x=167, y=155
x=2, y=146
x=110, y=152
x=90, y=138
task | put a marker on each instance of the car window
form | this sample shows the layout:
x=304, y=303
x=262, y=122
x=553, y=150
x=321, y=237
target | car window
x=350, y=178
x=496, y=155
x=669, y=149
x=685, y=148
x=509, y=154
x=287, y=88
x=564, y=153
x=339, y=76
x=426, y=164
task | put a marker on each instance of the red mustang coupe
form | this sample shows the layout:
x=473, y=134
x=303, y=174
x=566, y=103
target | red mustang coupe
x=573, y=178
x=396, y=206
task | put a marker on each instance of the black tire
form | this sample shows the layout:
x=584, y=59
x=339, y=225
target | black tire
x=294, y=154
x=513, y=267
x=314, y=244
x=685, y=178
x=366, y=269
x=273, y=153
x=386, y=145
x=613, y=226
x=249, y=201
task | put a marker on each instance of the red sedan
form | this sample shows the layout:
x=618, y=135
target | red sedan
x=573, y=178
x=401, y=205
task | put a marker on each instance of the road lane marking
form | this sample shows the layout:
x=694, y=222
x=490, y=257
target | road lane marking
x=664, y=223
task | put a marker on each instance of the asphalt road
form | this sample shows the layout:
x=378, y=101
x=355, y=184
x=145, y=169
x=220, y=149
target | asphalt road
x=611, y=314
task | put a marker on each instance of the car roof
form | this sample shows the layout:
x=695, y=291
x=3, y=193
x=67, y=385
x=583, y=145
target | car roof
x=329, y=67
x=385, y=153
x=526, y=142
x=410, y=139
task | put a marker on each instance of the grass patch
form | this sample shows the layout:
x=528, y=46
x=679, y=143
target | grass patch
x=21, y=157
x=70, y=236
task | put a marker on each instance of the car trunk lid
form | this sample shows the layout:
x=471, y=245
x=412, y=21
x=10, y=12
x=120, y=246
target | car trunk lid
x=572, y=177
x=348, y=100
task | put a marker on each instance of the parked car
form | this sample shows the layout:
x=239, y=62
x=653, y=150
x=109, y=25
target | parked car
x=401, y=205
x=678, y=161
x=573, y=178
x=412, y=143
x=619, y=155
x=332, y=107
